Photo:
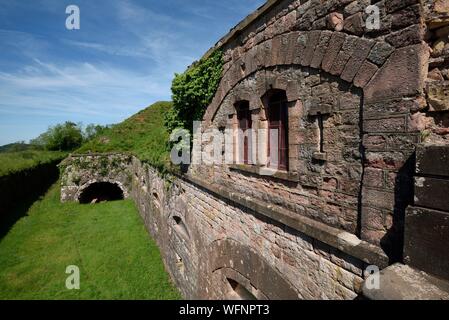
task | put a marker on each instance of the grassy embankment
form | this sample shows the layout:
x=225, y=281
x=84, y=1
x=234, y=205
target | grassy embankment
x=11, y=162
x=142, y=135
x=107, y=241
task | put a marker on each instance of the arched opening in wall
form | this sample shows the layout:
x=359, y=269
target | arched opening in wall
x=156, y=201
x=277, y=114
x=180, y=227
x=101, y=191
x=239, y=292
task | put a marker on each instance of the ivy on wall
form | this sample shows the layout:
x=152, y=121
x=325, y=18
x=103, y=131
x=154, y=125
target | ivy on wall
x=193, y=91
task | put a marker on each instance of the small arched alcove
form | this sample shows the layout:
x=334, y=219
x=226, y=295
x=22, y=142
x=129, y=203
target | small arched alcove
x=238, y=291
x=101, y=191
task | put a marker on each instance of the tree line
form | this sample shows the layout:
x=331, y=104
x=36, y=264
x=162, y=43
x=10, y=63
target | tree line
x=67, y=136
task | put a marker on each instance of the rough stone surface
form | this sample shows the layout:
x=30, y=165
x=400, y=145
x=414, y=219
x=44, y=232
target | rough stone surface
x=370, y=90
x=401, y=282
x=80, y=171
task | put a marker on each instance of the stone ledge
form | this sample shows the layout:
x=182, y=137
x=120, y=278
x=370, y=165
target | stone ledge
x=266, y=172
x=342, y=240
x=401, y=282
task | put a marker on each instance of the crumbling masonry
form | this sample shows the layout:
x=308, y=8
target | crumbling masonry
x=367, y=176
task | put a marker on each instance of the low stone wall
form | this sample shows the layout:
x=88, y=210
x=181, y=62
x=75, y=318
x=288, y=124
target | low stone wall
x=215, y=248
x=81, y=171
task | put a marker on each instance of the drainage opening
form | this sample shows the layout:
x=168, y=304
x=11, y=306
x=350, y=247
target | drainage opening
x=101, y=191
x=239, y=292
x=181, y=227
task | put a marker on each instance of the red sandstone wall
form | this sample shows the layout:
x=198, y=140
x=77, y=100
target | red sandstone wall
x=372, y=84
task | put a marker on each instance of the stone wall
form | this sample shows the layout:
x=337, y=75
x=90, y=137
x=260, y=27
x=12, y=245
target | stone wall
x=206, y=239
x=229, y=231
x=81, y=171
x=371, y=85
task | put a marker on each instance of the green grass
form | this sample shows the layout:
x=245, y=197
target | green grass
x=16, y=161
x=107, y=241
x=142, y=135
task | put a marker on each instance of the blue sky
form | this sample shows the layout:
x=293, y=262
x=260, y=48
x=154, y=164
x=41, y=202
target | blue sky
x=121, y=60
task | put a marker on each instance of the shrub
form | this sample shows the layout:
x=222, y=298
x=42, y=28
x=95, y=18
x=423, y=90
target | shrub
x=62, y=137
x=193, y=91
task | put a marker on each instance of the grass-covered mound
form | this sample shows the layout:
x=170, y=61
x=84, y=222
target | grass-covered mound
x=107, y=241
x=142, y=135
x=11, y=162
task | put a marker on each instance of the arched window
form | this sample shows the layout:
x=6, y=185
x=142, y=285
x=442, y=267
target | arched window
x=278, y=123
x=245, y=125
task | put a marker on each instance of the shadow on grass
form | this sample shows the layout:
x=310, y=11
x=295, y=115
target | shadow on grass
x=20, y=190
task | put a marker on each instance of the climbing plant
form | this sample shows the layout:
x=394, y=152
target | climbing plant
x=193, y=91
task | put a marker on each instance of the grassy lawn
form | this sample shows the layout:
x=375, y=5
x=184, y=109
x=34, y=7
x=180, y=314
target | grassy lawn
x=15, y=161
x=107, y=241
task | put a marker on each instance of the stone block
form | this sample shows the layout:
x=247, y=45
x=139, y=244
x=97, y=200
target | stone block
x=374, y=142
x=385, y=160
x=396, y=124
x=432, y=160
x=380, y=53
x=354, y=24
x=401, y=282
x=363, y=47
x=381, y=199
x=394, y=5
x=320, y=49
x=432, y=193
x=406, y=17
x=402, y=75
x=312, y=40
x=333, y=49
x=374, y=178
x=438, y=95
x=426, y=239
x=365, y=74
x=406, y=37
x=347, y=49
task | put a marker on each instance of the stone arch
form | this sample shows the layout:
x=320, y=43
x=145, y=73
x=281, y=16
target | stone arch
x=235, y=270
x=90, y=183
x=333, y=52
x=394, y=81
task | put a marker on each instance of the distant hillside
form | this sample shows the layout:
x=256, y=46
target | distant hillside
x=142, y=135
x=17, y=146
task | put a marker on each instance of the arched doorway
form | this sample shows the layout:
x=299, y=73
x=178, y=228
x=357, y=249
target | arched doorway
x=101, y=191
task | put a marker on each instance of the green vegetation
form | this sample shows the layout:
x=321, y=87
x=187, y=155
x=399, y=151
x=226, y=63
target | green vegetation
x=11, y=162
x=142, y=135
x=146, y=134
x=18, y=146
x=107, y=241
x=67, y=137
x=193, y=91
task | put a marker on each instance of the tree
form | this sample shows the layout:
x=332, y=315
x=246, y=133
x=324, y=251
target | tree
x=62, y=137
x=94, y=130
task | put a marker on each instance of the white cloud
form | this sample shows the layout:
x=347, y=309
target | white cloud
x=78, y=88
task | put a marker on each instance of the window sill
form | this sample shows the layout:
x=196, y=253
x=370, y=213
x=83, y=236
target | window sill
x=266, y=172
